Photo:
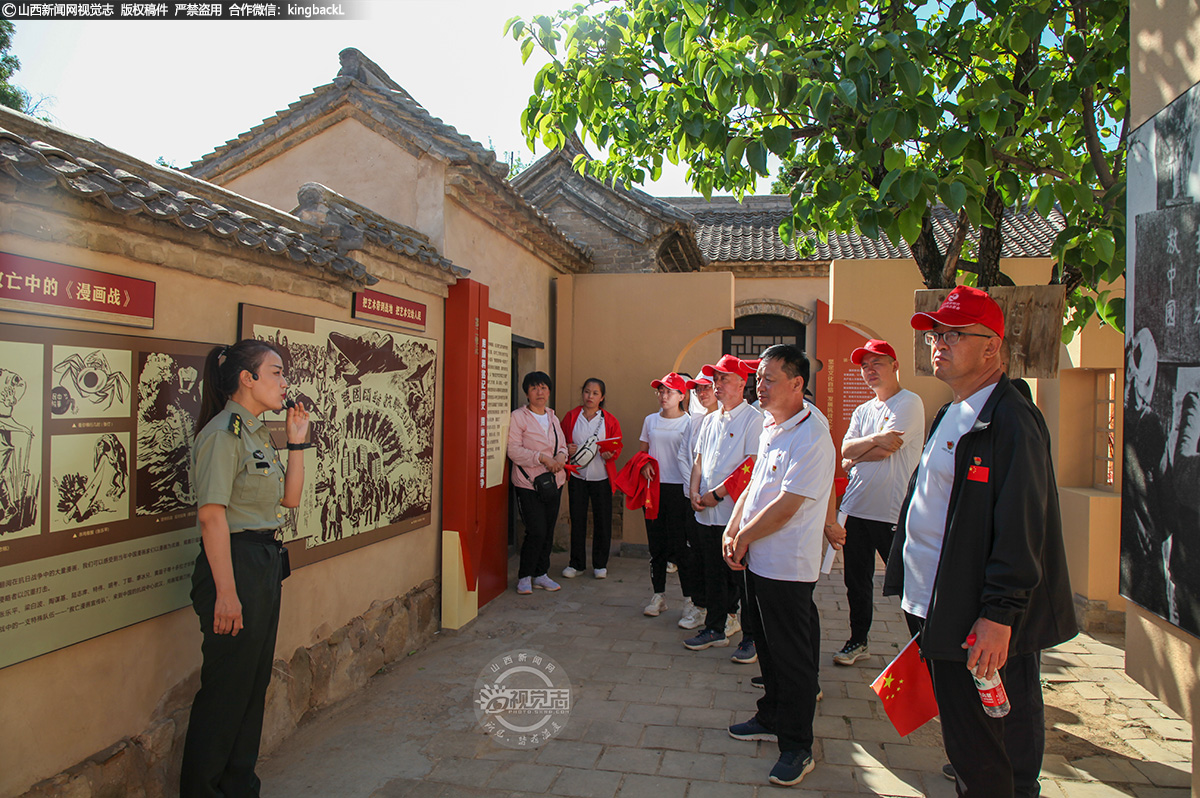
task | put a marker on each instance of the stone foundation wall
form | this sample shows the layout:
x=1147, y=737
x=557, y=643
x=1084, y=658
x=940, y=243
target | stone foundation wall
x=147, y=765
x=1093, y=615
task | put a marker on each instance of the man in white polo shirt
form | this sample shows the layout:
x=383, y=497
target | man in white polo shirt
x=727, y=437
x=880, y=451
x=774, y=537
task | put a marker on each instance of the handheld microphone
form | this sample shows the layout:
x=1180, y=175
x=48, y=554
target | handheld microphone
x=289, y=404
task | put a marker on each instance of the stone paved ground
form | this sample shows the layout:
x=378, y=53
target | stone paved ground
x=649, y=717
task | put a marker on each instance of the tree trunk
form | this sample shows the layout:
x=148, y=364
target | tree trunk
x=991, y=240
x=929, y=259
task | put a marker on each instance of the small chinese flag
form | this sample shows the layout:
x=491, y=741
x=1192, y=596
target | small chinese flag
x=906, y=691
x=571, y=469
x=612, y=445
x=739, y=479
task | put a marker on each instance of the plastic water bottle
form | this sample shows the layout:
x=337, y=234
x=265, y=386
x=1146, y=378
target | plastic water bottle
x=991, y=691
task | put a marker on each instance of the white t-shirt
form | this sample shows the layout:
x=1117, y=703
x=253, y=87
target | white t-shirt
x=665, y=436
x=544, y=420
x=687, y=452
x=876, y=489
x=583, y=432
x=726, y=439
x=926, y=521
x=794, y=457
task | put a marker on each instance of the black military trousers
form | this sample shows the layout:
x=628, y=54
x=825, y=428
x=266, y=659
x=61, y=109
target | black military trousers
x=221, y=748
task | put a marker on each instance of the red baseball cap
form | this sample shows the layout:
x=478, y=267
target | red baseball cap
x=672, y=381
x=691, y=384
x=752, y=365
x=964, y=306
x=728, y=364
x=874, y=347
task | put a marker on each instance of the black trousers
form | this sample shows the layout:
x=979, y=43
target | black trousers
x=540, y=518
x=720, y=590
x=579, y=493
x=788, y=643
x=692, y=527
x=667, y=539
x=993, y=757
x=863, y=538
x=221, y=747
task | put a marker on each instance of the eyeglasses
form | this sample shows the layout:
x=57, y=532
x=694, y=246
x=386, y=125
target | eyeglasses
x=951, y=337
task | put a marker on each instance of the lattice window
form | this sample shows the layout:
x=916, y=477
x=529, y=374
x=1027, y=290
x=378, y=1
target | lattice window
x=1107, y=401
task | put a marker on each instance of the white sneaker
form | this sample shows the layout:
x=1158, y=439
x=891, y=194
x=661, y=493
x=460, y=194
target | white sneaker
x=570, y=573
x=672, y=567
x=600, y=573
x=658, y=603
x=524, y=587
x=732, y=625
x=544, y=582
x=692, y=617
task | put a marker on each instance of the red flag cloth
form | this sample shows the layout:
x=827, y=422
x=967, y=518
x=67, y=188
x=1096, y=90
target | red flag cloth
x=906, y=691
x=571, y=469
x=739, y=479
x=638, y=492
x=840, y=484
x=611, y=445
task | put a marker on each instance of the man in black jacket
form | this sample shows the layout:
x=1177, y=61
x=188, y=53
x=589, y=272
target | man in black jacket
x=979, y=552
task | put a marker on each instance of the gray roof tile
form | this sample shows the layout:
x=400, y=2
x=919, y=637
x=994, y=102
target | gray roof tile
x=748, y=231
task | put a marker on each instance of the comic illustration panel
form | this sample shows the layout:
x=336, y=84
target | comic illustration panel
x=89, y=477
x=21, y=403
x=168, y=403
x=371, y=394
x=90, y=382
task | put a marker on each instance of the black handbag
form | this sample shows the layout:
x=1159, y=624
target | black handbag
x=545, y=485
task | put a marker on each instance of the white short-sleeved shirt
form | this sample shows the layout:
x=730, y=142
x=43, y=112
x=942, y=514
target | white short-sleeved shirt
x=726, y=439
x=665, y=436
x=687, y=452
x=794, y=457
x=925, y=524
x=583, y=432
x=876, y=489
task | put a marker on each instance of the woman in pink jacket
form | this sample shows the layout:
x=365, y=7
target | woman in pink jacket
x=536, y=446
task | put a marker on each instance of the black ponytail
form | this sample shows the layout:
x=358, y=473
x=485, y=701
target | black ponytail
x=221, y=376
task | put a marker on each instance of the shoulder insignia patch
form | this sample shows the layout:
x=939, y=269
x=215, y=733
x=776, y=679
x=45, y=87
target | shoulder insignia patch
x=235, y=424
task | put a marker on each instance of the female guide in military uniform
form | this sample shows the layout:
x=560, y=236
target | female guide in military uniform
x=241, y=489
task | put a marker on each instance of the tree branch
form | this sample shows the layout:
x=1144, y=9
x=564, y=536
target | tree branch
x=954, y=250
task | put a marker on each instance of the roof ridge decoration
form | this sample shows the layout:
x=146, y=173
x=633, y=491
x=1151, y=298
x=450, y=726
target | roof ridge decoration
x=351, y=225
x=44, y=166
x=357, y=66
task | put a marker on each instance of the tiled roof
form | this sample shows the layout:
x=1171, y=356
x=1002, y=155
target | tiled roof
x=480, y=178
x=731, y=232
x=135, y=188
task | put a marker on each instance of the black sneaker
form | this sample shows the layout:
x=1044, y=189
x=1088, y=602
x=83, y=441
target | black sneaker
x=745, y=654
x=851, y=653
x=706, y=639
x=948, y=772
x=791, y=768
x=752, y=730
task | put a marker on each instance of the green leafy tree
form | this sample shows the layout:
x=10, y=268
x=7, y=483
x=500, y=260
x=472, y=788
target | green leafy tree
x=11, y=96
x=879, y=108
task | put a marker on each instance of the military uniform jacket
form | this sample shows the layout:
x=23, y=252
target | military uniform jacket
x=235, y=465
